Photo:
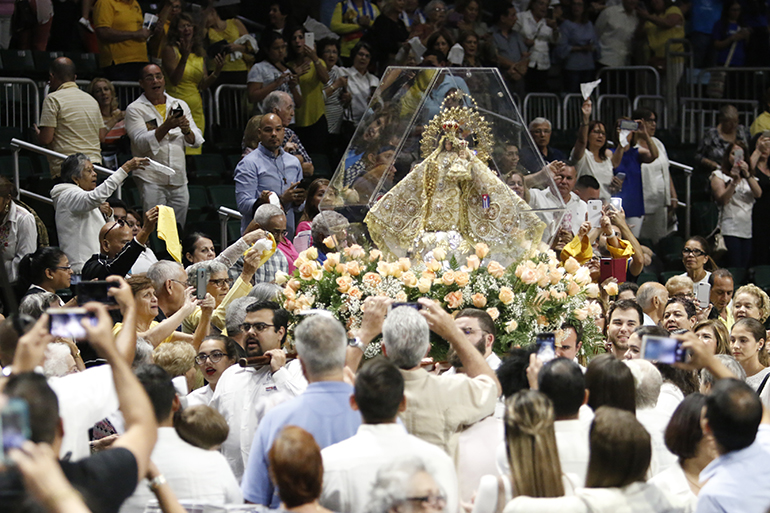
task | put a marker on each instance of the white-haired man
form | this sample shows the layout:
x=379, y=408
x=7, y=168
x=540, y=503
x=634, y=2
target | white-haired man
x=540, y=130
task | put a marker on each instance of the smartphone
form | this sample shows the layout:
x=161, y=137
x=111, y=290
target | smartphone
x=177, y=111
x=14, y=426
x=703, y=293
x=416, y=306
x=621, y=176
x=612, y=268
x=663, y=350
x=88, y=291
x=65, y=322
x=595, y=213
x=201, y=282
x=627, y=124
x=766, y=133
x=546, y=346
x=310, y=39
x=738, y=156
x=617, y=203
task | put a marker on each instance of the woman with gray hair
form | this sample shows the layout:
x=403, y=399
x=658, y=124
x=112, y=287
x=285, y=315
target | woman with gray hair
x=405, y=486
x=82, y=208
x=326, y=224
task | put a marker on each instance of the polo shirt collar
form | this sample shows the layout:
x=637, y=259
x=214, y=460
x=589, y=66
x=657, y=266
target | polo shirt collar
x=267, y=153
x=67, y=85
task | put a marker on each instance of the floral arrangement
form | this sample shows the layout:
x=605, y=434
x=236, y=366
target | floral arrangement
x=535, y=295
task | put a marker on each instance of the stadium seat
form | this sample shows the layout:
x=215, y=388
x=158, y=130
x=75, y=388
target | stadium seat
x=206, y=169
x=223, y=195
x=85, y=63
x=43, y=61
x=760, y=276
x=666, y=275
x=321, y=166
x=26, y=170
x=17, y=63
x=199, y=203
x=645, y=277
x=739, y=275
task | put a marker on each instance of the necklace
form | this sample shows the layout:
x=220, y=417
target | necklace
x=692, y=482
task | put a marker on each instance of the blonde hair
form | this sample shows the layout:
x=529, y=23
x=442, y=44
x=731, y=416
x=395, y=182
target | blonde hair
x=201, y=426
x=92, y=85
x=763, y=301
x=721, y=334
x=531, y=445
x=251, y=133
x=678, y=282
x=176, y=357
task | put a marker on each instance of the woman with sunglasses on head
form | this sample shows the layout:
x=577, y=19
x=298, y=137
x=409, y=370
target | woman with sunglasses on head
x=215, y=355
x=695, y=257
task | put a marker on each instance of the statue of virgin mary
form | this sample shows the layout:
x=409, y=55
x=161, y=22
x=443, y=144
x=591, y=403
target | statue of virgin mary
x=452, y=199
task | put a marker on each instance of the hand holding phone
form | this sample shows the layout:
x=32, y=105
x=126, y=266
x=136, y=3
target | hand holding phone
x=66, y=322
x=546, y=346
x=595, y=213
x=88, y=291
x=201, y=282
x=14, y=426
x=664, y=350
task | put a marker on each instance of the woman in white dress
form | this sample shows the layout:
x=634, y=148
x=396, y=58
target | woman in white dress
x=591, y=153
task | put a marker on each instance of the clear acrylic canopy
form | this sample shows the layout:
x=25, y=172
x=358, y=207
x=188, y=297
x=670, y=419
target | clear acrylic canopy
x=394, y=137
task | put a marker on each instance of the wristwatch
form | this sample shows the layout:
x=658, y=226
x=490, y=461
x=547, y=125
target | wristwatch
x=156, y=482
x=356, y=342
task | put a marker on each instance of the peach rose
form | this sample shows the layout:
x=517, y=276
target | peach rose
x=541, y=320
x=329, y=242
x=294, y=284
x=479, y=300
x=428, y=275
x=281, y=277
x=355, y=251
x=594, y=309
x=433, y=265
x=494, y=313
x=372, y=280
x=559, y=295
x=528, y=276
x=462, y=278
x=554, y=276
x=344, y=283
x=571, y=265
x=311, y=253
x=505, y=296
x=454, y=299
x=424, y=285
x=353, y=268
x=289, y=305
x=583, y=276
x=482, y=250
x=405, y=264
x=542, y=279
x=395, y=270
x=383, y=268
x=448, y=278
x=573, y=288
x=355, y=293
x=580, y=314
x=401, y=297
x=341, y=269
x=611, y=288
x=409, y=279
x=592, y=290
x=289, y=293
x=495, y=269
x=306, y=270
x=439, y=254
x=473, y=262
x=511, y=326
x=375, y=255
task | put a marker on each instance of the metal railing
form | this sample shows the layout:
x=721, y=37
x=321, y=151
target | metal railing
x=225, y=214
x=629, y=80
x=572, y=115
x=687, y=195
x=19, y=102
x=230, y=106
x=545, y=105
x=700, y=114
x=739, y=83
x=656, y=103
x=611, y=107
x=23, y=145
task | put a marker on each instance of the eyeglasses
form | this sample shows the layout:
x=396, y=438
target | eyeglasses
x=434, y=501
x=181, y=283
x=259, y=327
x=221, y=282
x=598, y=132
x=118, y=222
x=278, y=234
x=214, y=357
x=469, y=331
x=63, y=267
x=693, y=251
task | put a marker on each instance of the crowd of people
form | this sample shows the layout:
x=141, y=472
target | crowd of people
x=201, y=392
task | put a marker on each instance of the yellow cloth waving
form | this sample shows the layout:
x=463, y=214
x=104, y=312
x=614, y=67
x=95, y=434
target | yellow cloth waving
x=167, y=231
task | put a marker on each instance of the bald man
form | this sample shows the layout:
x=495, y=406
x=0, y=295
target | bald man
x=652, y=297
x=70, y=121
x=269, y=169
x=119, y=250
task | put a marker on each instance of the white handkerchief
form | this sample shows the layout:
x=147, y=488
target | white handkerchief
x=149, y=20
x=417, y=46
x=456, y=54
x=624, y=137
x=274, y=200
x=160, y=168
x=588, y=87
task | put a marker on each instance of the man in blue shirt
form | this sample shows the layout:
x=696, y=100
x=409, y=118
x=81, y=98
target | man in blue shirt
x=735, y=481
x=323, y=409
x=269, y=169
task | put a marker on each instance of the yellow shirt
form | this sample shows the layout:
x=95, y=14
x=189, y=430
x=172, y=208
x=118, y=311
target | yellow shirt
x=120, y=15
x=313, y=106
x=229, y=34
x=658, y=36
x=760, y=124
x=346, y=26
x=239, y=289
x=119, y=326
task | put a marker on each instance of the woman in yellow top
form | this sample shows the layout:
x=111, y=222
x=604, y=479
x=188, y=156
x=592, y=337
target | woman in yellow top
x=185, y=68
x=664, y=21
x=351, y=19
x=234, y=71
x=310, y=118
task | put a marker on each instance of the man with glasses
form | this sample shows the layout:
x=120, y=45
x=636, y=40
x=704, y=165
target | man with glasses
x=119, y=251
x=272, y=219
x=243, y=395
x=540, y=129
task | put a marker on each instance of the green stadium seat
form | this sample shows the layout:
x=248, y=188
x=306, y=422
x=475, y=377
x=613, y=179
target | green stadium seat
x=645, y=277
x=705, y=216
x=666, y=275
x=43, y=61
x=17, y=62
x=739, y=275
x=321, y=166
x=232, y=161
x=206, y=169
x=760, y=276
x=26, y=170
x=223, y=195
x=86, y=64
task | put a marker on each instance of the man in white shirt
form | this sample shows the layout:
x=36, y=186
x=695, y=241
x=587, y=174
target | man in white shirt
x=615, y=27
x=350, y=466
x=563, y=382
x=194, y=474
x=576, y=208
x=652, y=297
x=243, y=395
x=648, y=382
x=160, y=127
